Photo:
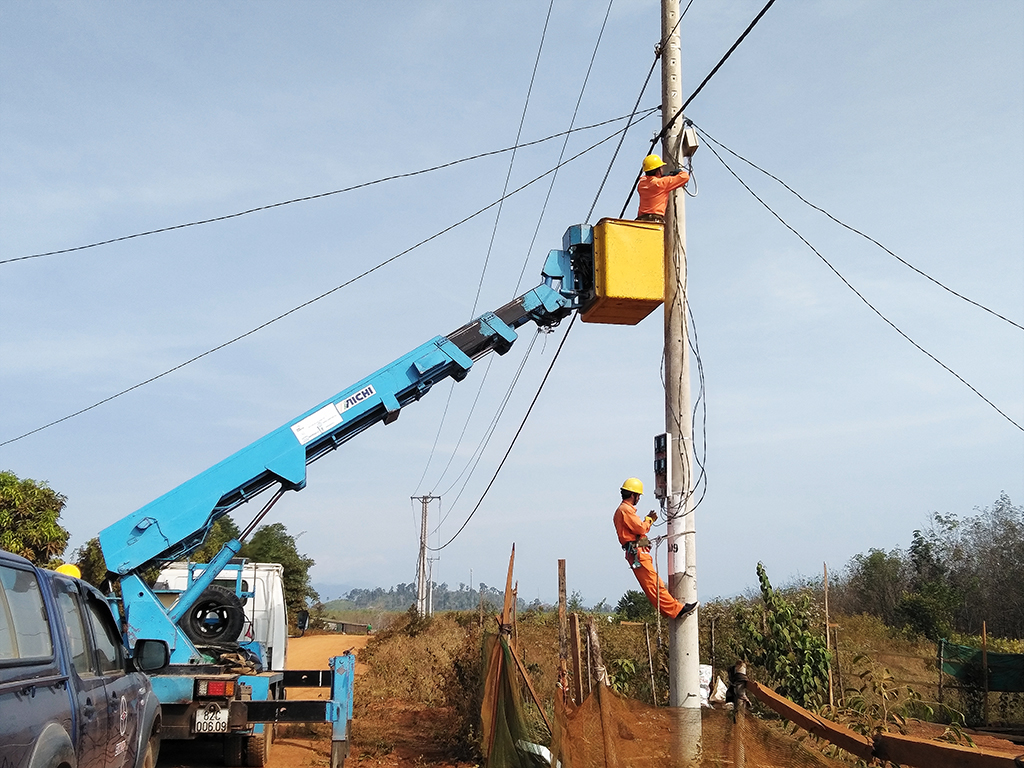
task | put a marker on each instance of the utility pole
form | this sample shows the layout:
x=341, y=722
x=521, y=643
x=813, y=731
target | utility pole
x=423, y=607
x=684, y=644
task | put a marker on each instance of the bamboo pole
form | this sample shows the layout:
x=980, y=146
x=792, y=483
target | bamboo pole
x=828, y=643
x=577, y=661
x=650, y=662
x=984, y=673
x=563, y=634
x=529, y=686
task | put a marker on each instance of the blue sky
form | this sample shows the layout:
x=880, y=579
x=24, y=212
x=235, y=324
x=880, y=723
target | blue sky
x=826, y=433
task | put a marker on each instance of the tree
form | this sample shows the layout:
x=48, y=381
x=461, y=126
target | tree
x=90, y=561
x=784, y=638
x=221, y=532
x=956, y=574
x=634, y=606
x=29, y=515
x=273, y=544
x=874, y=583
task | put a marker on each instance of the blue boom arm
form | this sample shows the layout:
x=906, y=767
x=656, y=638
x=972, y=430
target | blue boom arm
x=178, y=522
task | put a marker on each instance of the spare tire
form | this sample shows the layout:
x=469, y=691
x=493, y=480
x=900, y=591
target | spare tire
x=216, y=617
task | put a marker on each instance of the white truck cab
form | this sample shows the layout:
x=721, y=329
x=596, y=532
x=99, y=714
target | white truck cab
x=259, y=587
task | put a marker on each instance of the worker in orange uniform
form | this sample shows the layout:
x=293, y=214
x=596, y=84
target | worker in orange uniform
x=632, y=531
x=654, y=188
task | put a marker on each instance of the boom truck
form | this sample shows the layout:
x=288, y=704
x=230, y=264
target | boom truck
x=215, y=685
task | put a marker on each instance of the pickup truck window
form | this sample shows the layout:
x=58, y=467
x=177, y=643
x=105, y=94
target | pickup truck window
x=24, y=629
x=72, y=613
x=108, y=642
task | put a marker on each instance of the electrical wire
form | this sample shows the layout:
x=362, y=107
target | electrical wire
x=540, y=218
x=705, y=81
x=317, y=196
x=860, y=296
x=465, y=426
x=437, y=436
x=572, y=122
x=485, y=440
x=514, y=438
x=561, y=344
x=680, y=308
x=657, y=56
x=512, y=160
x=856, y=231
x=713, y=72
x=491, y=245
x=307, y=303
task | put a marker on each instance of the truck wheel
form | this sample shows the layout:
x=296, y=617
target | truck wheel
x=257, y=751
x=234, y=750
x=216, y=617
x=152, y=753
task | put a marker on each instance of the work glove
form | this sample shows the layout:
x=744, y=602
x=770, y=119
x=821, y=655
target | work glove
x=653, y=515
x=643, y=541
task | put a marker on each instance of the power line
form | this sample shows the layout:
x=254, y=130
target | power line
x=657, y=56
x=572, y=122
x=536, y=231
x=490, y=247
x=700, y=88
x=558, y=351
x=854, y=229
x=315, y=196
x=514, y=438
x=861, y=296
x=485, y=439
x=512, y=160
x=323, y=295
x=713, y=72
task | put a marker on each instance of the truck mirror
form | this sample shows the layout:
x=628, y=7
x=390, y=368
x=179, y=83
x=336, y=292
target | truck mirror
x=151, y=655
x=302, y=620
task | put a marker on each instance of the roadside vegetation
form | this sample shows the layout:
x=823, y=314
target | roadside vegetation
x=881, y=658
x=877, y=671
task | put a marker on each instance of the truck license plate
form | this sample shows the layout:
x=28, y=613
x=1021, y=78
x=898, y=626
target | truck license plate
x=207, y=721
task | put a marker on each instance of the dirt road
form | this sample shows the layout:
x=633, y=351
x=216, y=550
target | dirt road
x=289, y=751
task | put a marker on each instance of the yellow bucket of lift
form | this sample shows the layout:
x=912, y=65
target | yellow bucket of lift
x=629, y=271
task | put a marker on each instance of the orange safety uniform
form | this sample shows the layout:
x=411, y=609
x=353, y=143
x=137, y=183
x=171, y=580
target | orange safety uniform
x=630, y=527
x=654, y=191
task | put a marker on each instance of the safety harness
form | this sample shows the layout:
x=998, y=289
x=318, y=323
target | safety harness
x=630, y=549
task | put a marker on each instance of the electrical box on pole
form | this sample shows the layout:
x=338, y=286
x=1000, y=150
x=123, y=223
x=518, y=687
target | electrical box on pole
x=688, y=142
x=662, y=466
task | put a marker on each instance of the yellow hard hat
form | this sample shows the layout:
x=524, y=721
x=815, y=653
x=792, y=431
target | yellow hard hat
x=651, y=162
x=633, y=485
x=69, y=570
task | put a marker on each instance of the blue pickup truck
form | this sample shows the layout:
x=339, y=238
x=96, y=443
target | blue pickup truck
x=69, y=698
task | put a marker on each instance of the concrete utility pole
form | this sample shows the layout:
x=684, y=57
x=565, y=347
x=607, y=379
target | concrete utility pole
x=684, y=645
x=424, y=605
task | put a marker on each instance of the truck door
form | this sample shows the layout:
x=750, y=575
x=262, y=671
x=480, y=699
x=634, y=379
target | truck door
x=123, y=694
x=92, y=722
x=33, y=690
